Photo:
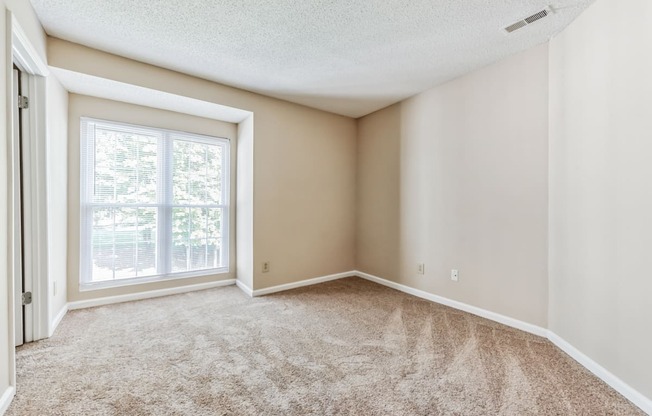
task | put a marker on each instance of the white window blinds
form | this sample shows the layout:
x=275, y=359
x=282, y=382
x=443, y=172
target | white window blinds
x=154, y=203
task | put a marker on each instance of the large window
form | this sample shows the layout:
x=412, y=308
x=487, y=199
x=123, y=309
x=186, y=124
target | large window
x=154, y=204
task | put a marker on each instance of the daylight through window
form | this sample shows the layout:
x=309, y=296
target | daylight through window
x=155, y=203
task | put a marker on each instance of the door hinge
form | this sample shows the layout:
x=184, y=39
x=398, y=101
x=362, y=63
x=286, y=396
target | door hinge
x=23, y=102
x=27, y=298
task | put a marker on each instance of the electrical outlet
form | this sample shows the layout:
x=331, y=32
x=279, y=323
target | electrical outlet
x=421, y=268
x=266, y=267
x=455, y=275
x=54, y=288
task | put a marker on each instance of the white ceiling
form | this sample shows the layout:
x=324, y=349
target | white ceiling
x=350, y=57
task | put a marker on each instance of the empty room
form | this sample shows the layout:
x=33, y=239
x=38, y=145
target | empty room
x=275, y=207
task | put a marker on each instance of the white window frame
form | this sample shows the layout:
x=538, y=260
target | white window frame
x=164, y=204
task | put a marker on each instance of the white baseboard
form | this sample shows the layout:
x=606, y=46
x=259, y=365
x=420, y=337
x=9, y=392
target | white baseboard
x=602, y=373
x=246, y=289
x=6, y=398
x=302, y=283
x=57, y=319
x=493, y=316
x=89, y=303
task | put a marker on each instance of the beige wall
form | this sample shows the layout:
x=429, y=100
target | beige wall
x=28, y=21
x=57, y=189
x=83, y=106
x=303, y=167
x=456, y=178
x=378, y=204
x=600, y=192
x=304, y=211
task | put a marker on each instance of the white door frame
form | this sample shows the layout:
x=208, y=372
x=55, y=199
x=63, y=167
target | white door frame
x=21, y=52
x=14, y=212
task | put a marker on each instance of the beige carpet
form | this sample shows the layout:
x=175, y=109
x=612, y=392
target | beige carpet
x=344, y=347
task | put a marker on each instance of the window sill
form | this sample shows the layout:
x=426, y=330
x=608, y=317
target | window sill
x=90, y=286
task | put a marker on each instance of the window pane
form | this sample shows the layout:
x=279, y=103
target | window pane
x=180, y=256
x=121, y=239
x=125, y=167
x=196, y=173
x=214, y=254
x=147, y=175
x=214, y=175
x=214, y=223
x=125, y=240
x=198, y=254
x=181, y=229
x=198, y=223
x=180, y=224
x=196, y=235
x=102, y=244
x=147, y=237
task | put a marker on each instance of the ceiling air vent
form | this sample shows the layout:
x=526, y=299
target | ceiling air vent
x=527, y=21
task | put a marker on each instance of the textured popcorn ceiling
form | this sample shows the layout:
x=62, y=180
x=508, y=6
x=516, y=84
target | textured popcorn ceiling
x=350, y=57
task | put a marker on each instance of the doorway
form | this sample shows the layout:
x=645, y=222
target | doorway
x=22, y=294
x=26, y=196
x=27, y=192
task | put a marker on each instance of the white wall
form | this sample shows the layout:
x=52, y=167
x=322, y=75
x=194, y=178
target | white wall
x=57, y=171
x=6, y=359
x=28, y=21
x=456, y=178
x=600, y=187
x=245, y=203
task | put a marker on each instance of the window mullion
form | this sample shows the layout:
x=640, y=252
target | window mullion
x=165, y=201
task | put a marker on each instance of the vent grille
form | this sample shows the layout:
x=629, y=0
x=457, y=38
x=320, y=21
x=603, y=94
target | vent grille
x=516, y=26
x=536, y=16
x=527, y=21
